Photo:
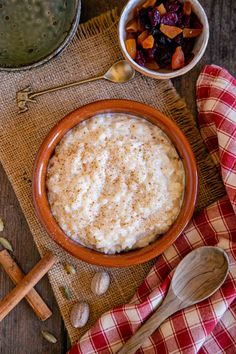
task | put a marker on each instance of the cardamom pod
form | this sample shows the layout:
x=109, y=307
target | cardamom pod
x=49, y=337
x=70, y=269
x=1, y=225
x=66, y=292
x=6, y=244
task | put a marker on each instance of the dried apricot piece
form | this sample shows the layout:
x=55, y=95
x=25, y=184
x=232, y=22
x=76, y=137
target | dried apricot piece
x=170, y=31
x=142, y=36
x=131, y=47
x=187, y=8
x=191, y=32
x=177, y=61
x=148, y=42
x=149, y=3
x=132, y=26
x=161, y=8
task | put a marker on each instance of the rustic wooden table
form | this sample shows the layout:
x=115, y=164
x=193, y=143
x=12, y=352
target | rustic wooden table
x=20, y=331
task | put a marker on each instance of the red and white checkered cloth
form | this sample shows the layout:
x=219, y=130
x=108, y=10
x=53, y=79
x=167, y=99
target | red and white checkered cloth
x=210, y=326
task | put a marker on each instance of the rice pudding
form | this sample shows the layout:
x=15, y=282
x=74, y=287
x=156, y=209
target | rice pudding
x=115, y=182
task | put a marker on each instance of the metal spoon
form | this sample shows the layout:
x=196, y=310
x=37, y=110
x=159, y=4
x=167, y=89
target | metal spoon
x=119, y=72
x=197, y=277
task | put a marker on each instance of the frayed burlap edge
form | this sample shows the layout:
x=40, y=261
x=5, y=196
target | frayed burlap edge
x=97, y=25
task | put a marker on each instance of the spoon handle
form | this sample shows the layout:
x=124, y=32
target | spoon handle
x=170, y=305
x=61, y=87
x=26, y=95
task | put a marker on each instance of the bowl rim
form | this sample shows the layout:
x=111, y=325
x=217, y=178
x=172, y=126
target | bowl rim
x=58, y=50
x=46, y=150
x=174, y=73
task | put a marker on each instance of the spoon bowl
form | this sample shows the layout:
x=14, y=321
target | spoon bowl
x=199, y=275
x=120, y=72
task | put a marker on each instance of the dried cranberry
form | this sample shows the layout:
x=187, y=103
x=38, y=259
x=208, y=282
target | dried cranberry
x=155, y=32
x=163, y=56
x=162, y=40
x=144, y=18
x=180, y=17
x=179, y=39
x=188, y=44
x=140, y=59
x=184, y=21
x=195, y=22
x=150, y=53
x=188, y=58
x=154, y=17
x=170, y=18
x=173, y=6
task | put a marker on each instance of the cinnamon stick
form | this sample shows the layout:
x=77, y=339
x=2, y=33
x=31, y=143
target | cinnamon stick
x=26, y=284
x=16, y=275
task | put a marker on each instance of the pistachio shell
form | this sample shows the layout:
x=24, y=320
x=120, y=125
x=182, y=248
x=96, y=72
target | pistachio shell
x=49, y=337
x=6, y=244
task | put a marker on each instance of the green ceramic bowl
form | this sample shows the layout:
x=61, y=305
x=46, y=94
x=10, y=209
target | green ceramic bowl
x=34, y=31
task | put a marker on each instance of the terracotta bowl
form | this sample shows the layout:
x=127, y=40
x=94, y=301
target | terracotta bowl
x=40, y=193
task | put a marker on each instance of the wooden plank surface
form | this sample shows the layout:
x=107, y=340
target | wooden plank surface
x=20, y=331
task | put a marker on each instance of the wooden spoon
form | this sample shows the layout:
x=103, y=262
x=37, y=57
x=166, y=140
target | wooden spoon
x=197, y=277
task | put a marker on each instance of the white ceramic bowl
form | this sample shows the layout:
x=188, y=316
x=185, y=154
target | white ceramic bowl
x=198, y=50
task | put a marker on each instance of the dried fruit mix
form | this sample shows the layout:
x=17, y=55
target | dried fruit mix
x=162, y=34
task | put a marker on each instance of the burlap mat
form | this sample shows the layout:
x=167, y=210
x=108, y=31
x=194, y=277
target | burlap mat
x=91, y=53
